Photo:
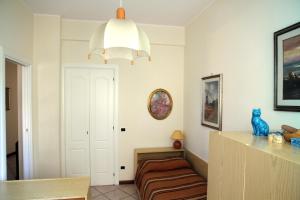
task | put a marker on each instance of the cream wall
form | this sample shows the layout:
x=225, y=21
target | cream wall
x=235, y=37
x=11, y=81
x=46, y=86
x=136, y=83
x=16, y=35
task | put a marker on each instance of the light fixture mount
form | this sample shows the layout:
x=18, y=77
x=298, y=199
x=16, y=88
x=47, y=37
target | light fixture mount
x=120, y=13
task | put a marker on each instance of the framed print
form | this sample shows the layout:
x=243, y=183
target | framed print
x=212, y=101
x=287, y=69
x=7, y=98
x=160, y=104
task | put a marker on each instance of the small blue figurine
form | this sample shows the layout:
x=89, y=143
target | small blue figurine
x=260, y=127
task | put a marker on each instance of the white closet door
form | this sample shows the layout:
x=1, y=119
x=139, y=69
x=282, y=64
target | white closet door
x=77, y=113
x=101, y=127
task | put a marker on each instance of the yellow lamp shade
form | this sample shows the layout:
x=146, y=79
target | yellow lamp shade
x=177, y=135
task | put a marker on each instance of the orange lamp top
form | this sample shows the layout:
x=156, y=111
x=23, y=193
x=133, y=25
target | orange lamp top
x=120, y=13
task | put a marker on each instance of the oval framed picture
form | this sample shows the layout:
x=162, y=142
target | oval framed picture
x=160, y=104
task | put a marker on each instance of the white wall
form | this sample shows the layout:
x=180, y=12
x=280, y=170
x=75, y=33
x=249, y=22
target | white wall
x=136, y=83
x=16, y=35
x=11, y=81
x=235, y=37
x=46, y=89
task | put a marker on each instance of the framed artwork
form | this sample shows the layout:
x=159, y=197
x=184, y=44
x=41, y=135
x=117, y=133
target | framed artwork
x=287, y=69
x=212, y=101
x=7, y=98
x=160, y=104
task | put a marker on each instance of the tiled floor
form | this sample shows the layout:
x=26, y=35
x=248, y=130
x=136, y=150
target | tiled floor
x=111, y=192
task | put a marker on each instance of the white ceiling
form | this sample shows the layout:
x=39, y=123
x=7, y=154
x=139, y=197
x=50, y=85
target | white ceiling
x=165, y=12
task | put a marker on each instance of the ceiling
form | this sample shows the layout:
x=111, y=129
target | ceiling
x=164, y=12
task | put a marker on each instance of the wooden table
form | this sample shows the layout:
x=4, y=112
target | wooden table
x=49, y=189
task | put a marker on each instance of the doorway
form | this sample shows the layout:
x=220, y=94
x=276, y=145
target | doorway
x=13, y=108
x=23, y=126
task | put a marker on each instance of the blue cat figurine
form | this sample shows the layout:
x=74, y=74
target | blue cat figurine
x=260, y=127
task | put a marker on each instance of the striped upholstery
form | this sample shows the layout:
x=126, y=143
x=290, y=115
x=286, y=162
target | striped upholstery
x=169, y=179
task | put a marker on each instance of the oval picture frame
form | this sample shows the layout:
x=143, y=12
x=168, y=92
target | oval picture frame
x=160, y=104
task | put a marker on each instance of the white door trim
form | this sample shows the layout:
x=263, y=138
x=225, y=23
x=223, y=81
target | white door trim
x=27, y=116
x=27, y=122
x=115, y=68
x=2, y=117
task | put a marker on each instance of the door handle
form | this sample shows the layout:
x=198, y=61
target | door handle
x=87, y=132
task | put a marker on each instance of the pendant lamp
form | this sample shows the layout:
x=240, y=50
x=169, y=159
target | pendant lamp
x=120, y=38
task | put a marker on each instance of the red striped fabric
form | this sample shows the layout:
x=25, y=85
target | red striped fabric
x=162, y=180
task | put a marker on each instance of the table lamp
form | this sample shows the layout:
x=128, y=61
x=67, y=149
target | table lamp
x=177, y=136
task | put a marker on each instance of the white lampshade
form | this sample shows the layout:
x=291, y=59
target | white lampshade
x=120, y=38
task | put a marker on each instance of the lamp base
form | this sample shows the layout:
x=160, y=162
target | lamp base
x=177, y=144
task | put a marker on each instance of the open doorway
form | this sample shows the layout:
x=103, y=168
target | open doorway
x=13, y=107
x=24, y=124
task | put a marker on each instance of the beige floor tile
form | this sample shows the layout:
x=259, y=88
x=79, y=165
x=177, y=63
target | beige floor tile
x=106, y=188
x=135, y=195
x=130, y=198
x=116, y=195
x=101, y=197
x=129, y=189
x=94, y=192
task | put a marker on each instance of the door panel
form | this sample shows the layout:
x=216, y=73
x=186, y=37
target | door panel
x=101, y=127
x=77, y=97
x=77, y=168
x=101, y=155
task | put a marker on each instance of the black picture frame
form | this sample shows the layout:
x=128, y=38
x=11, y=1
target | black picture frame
x=212, y=92
x=7, y=98
x=287, y=69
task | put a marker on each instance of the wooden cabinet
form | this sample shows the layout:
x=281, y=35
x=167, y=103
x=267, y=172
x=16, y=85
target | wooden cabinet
x=245, y=167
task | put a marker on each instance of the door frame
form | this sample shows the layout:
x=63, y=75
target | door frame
x=3, y=170
x=115, y=69
x=26, y=116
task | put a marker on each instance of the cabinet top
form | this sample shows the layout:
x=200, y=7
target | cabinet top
x=285, y=150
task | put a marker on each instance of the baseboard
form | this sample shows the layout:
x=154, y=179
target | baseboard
x=11, y=154
x=126, y=182
x=198, y=164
